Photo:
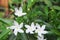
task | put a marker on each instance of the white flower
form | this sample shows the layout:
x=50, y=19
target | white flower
x=40, y=38
x=40, y=30
x=18, y=12
x=17, y=28
x=30, y=29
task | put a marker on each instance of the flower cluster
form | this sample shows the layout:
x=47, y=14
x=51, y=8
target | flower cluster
x=30, y=29
x=33, y=28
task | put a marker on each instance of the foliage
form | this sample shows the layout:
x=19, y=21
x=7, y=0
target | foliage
x=39, y=11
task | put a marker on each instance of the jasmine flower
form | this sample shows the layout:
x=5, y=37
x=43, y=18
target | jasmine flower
x=18, y=12
x=30, y=29
x=40, y=30
x=17, y=28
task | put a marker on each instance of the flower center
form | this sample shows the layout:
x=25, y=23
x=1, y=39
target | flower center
x=17, y=27
x=31, y=28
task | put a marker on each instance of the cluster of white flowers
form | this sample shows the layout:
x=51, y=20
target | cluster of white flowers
x=33, y=28
x=30, y=29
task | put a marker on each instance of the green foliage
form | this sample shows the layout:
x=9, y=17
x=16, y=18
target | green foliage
x=40, y=11
x=4, y=32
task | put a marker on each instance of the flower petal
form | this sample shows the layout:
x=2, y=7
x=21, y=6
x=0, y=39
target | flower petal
x=22, y=14
x=37, y=26
x=41, y=38
x=44, y=32
x=27, y=26
x=20, y=9
x=12, y=27
x=16, y=9
x=44, y=39
x=17, y=13
x=39, y=34
x=32, y=25
x=43, y=27
x=31, y=32
x=15, y=23
x=15, y=32
x=27, y=31
x=36, y=31
x=20, y=31
x=21, y=25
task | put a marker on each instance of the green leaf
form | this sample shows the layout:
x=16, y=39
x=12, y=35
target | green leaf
x=6, y=21
x=22, y=36
x=4, y=33
x=56, y=32
x=58, y=38
x=48, y=2
x=30, y=3
x=56, y=7
x=46, y=10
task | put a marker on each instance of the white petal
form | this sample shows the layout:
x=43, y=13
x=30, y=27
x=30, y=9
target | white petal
x=15, y=32
x=27, y=31
x=27, y=26
x=39, y=34
x=38, y=38
x=15, y=23
x=37, y=26
x=20, y=9
x=32, y=25
x=44, y=39
x=21, y=25
x=41, y=38
x=43, y=27
x=16, y=9
x=34, y=28
x=36, y=31
x=20, y=31
x=16, y=12
x=22, y=14
x=44, y=32
x=12, y=27
x=31, y=32
x=19, y=15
